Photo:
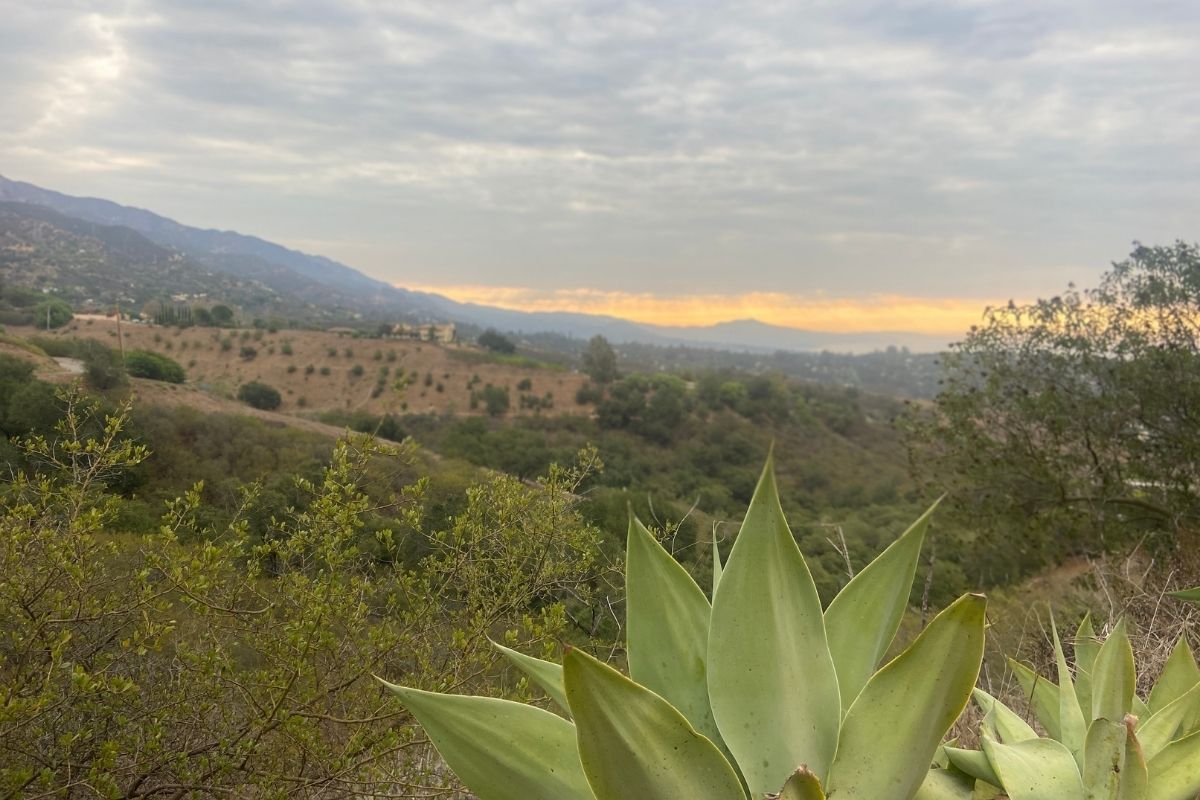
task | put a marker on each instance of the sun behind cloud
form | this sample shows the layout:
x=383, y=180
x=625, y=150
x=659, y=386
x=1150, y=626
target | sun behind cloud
x=940, y=316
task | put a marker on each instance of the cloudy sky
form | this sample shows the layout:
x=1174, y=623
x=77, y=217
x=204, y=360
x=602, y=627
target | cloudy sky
x=838, y=164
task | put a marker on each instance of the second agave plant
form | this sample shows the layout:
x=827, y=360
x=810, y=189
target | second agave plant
x=760, y=693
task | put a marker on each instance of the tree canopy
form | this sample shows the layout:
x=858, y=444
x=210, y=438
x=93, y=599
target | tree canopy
x=1070, y=423
x=600, y=360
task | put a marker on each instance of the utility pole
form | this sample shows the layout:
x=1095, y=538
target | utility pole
x=120, y=337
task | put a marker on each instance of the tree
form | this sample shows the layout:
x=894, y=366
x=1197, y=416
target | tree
x=600, y=360
x=259, y=395
x=496, y=342
x=495, y=400
x=222, y=315
x=1069, y=425
x=52, y=313
x=102, y=365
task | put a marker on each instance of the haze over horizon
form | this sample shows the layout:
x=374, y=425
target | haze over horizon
x=841, y=167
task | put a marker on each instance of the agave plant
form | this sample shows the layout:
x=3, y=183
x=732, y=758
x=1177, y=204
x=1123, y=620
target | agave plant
x=1189, y=595
x=1105, y=742
x=761, y=693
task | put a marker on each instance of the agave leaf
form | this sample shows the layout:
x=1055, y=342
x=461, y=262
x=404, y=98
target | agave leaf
x=1086, y=644
x=545, y=674
x=1037, y=769
x=1042, y=695
x=1104, y=757
x=1007, y=723
x=1135, y=777
x=1138, y=707
x=716, y=557
x=1175, y=772
x=632, y=743
x=1072, y=725
x=1113, y=676
x=1190, y=595
x=862, y=620
x=892, y=731
x=1157, y=731
x=667, y=627
x=1086, y=647
x=944, y=784
x=974, y=763
x=1178, y=676
x=501, y=750
x=802, y=785
x=771, y=679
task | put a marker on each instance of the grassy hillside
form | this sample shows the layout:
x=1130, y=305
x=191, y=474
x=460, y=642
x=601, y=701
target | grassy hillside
x=317, y=372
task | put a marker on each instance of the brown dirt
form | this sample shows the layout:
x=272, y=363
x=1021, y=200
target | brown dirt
x=218, y=372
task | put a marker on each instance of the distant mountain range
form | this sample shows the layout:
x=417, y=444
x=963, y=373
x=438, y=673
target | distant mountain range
x=134, y=251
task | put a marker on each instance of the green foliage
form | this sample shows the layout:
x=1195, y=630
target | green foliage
x=1062, y=428
x=150, y=666
x=222, y=315
x=733, y=693
x=600, y=361
x=103, y=368
x=26, y=404
x=52, y=313
x=259, y=395
x=496, y=342
x=156, y=367
x=495, y=400
x=1105, y=741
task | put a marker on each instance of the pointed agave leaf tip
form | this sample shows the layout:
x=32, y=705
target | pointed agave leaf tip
x=667, y=620
x=771, y=679
x=862, y=620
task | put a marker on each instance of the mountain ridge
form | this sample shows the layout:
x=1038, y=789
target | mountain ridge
x=318, y=279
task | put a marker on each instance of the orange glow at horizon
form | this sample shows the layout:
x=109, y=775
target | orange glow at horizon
x=883, y=312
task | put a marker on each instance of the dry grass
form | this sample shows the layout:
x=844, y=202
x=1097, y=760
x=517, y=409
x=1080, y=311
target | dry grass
x=1134, y=586
x=219, y=370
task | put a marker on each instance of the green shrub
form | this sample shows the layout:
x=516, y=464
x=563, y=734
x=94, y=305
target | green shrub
x=52, y=313
x=248, y=353
x=357, y=370
x=259, y=395
x=156, y=367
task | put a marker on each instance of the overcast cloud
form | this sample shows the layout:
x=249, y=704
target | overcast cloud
x=974, y=148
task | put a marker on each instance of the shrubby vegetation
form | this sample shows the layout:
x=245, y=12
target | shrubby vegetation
x=216, y=659
x=154, y=366
x=496, y=342
x=259, y=395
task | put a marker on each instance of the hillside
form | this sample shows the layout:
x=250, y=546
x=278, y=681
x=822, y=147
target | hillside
x=317, y=371
x=87, y=263
x=327, y=289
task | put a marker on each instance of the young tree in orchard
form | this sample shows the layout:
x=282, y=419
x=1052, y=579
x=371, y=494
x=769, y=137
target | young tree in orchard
x=600, y=360
x=1070, y=424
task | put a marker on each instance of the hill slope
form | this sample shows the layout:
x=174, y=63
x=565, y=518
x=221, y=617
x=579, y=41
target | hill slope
x=324, y=282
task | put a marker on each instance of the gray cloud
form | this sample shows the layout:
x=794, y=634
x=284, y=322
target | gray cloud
x=968, y=147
